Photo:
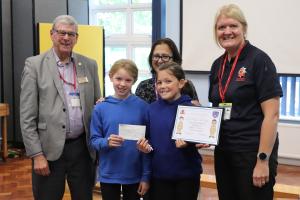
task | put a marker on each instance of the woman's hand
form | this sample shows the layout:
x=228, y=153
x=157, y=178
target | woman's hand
x=115, y=141
x=144, y=146
x=261, y=173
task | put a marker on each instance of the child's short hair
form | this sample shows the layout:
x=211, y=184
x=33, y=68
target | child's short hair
x=174, y=68
x=126, y=64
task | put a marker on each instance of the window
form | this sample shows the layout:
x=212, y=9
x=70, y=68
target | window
x=290, y=102
x=128, y=29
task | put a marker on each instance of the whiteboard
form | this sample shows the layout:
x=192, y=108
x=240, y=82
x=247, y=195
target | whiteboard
x=273, y=26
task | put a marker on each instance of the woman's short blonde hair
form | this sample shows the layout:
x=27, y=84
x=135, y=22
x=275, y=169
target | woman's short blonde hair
x=230, y=11
x=126, y=64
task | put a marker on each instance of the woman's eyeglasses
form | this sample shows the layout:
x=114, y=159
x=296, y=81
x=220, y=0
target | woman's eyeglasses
x=164, y=58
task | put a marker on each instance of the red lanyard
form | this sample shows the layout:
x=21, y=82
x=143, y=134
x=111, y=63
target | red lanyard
x=222, y=91
x=74, y=77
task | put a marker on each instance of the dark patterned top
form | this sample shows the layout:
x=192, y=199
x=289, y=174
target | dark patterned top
x=146, y=90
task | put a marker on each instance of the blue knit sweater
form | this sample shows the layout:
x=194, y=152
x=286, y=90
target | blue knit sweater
x=125, y=164
x=169, y=162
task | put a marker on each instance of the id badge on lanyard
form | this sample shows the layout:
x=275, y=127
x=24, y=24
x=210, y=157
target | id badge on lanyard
x=222, y=90
x=75, y=100
x=227, y=110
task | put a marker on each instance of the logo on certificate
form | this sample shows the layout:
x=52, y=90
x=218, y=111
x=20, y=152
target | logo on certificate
x=215, y=114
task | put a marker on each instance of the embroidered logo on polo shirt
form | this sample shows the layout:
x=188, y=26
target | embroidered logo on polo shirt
x=241, y=74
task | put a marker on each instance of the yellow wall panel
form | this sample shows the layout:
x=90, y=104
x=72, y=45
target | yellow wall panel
x=90, y=44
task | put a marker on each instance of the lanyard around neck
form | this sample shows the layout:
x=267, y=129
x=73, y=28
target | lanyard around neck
x=74, y=77
x=222, y=91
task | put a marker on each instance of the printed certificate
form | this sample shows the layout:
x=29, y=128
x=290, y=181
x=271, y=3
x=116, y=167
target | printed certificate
x=198, y=124
x=132, y=132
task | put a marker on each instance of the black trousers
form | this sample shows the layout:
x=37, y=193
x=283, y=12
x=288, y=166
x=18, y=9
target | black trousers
x=75, y=166
x=234, y=172
x=112, y=191
x=183, y=189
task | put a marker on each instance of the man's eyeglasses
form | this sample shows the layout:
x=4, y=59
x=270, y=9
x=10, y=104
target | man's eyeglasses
x=164, y=58
x=62, y=33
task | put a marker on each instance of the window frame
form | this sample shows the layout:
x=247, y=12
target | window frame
x=286, y=100
x=129, y=39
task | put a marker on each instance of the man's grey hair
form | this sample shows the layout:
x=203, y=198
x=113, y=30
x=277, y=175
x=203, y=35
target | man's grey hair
x=65, y=19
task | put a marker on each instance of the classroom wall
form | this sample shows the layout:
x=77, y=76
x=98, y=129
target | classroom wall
x=6, y=72
x=198, y=23
x=289, y=134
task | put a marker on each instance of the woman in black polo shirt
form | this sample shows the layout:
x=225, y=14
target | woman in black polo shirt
x=244, y=81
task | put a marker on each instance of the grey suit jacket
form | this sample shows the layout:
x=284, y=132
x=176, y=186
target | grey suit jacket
x=43, y=112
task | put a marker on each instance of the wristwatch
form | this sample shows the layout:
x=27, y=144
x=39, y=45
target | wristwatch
x=263, y=156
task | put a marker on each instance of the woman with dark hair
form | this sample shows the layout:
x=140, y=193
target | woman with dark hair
x=162, y=51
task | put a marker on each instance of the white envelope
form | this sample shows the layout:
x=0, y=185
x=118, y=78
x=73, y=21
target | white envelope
x=132, y=132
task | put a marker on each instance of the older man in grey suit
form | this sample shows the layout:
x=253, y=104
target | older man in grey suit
x=58, y=91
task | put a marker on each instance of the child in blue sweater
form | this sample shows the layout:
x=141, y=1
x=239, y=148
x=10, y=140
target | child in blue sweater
x=121, y=164
x=176, y=165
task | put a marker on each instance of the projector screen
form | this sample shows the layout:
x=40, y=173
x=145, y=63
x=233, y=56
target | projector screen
x=273, y=26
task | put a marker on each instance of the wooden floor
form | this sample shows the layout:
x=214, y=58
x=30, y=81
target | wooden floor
x=15, y=179
x=286, y=174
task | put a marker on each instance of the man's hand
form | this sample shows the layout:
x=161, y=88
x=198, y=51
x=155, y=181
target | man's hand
x=100, y=100
x=40, y=165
